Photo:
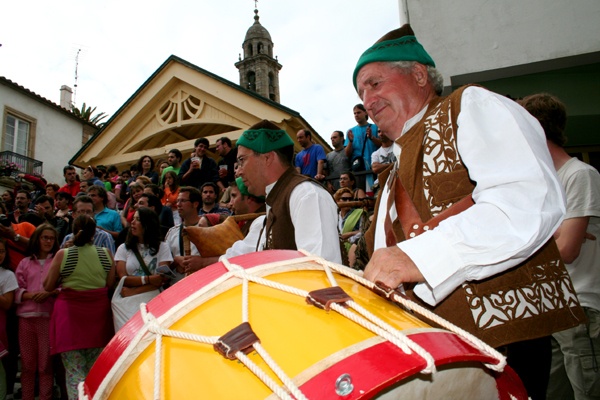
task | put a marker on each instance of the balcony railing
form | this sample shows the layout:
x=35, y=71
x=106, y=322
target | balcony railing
x=24, y=164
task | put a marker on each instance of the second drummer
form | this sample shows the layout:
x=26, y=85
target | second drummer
x=301, y=214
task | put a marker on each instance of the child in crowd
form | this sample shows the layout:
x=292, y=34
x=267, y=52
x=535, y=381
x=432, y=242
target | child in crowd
x=8, y=285
x=34, y=307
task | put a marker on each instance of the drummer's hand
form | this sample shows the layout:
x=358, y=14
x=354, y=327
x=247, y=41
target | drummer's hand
x=392, y=266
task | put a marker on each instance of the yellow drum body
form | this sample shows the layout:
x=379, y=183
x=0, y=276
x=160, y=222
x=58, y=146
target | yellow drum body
x=312, y=346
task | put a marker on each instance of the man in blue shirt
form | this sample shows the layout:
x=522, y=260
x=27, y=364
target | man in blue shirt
x=362, y=141
x=311, y=160
x=106, y=219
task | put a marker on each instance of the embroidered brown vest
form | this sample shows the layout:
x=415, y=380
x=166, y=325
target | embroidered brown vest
x=279, y=229
x=533, y=299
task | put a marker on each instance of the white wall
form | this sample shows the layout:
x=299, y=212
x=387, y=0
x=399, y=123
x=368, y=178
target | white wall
x=58, y=136
x=474, y=35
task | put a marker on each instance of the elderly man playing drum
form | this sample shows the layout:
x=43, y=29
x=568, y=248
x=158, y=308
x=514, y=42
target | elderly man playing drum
x=465, y=217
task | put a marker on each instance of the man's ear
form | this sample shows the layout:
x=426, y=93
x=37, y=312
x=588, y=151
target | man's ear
x=420, y=74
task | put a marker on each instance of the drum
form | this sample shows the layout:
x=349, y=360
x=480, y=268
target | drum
x=282, y=324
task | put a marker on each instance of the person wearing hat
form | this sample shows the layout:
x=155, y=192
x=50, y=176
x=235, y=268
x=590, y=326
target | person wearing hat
x=465, y=217
x=301, y=214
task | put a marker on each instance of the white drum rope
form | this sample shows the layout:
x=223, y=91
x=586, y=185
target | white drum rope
x=360, y=316
x=289, y=384
x=411, y=305
x=386, y=331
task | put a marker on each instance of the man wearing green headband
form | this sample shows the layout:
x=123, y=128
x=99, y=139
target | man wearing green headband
x=475, y=163
x=301, y=214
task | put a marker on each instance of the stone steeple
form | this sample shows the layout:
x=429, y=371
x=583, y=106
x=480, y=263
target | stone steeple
x=259, y=71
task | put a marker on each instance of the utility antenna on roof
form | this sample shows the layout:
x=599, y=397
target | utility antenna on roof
x=76, y=77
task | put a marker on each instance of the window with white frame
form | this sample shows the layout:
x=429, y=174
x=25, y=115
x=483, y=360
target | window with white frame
x=17, y=135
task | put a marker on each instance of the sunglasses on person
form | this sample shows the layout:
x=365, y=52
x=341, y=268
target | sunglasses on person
x=346, y=199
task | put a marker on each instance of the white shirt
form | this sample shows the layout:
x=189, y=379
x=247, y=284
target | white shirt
x=582, y=185
x=172, y=240
x=314, y=215
x=519, y=202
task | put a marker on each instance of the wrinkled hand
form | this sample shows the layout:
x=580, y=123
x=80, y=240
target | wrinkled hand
x=392, y=266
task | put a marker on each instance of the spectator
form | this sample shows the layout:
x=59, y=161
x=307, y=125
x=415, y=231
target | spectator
x=72, y=184
x=92, y=175
x=200, y=169
x=8, y=197
x=145, y=167
x=22, y=212
x=113, y=174
x=209, y=200
x=188, y=203
x=361, y=142
x=52, y=189
x=226, y=163
x=84, y=205
x=337, y=161
x=45, y=211
x=34, y=307
x=106, y=219
x=142, y=253
x=16, y=239
x=165, y=218
x=8, y=285
x=162, y=164
x=81, y=324
x=311, y=160
x=135, y=191
x=347, y=180
x=575, y=350
x=349, y=221
x=174, y=160
x=171, y=191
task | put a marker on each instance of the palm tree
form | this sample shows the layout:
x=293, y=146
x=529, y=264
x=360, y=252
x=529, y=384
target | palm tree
x=86, y=114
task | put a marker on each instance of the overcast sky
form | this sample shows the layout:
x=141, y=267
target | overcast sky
x=123, y=42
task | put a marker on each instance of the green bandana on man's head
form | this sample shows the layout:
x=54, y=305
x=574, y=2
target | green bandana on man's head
x=240, y=185
x=397, y=45
x=244, y=189
x=265, y=137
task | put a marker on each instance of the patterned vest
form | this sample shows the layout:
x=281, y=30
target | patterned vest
x=531, y=300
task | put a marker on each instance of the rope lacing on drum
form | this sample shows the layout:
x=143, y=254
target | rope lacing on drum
x=359, y=315
x=411, y=305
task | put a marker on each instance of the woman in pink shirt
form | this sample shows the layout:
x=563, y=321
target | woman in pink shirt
x=34, y=307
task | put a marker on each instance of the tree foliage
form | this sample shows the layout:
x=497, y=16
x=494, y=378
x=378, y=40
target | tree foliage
x=86, y=114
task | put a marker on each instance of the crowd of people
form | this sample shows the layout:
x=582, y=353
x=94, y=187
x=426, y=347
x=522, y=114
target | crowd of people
x=474, y=214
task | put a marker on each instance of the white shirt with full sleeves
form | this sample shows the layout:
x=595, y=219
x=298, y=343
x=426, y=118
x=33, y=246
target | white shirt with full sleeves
x=519, y=202
x=314, y=215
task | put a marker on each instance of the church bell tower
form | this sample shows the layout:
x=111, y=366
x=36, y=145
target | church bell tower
x=259, y=71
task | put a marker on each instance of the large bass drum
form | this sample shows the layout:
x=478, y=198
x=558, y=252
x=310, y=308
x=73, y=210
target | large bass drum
x=282, y=324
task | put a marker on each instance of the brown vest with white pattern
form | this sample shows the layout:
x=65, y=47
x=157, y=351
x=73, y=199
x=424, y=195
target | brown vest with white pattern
x=533, y=299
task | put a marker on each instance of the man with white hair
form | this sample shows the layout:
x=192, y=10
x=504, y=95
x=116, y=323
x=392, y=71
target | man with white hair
x=465, y=217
